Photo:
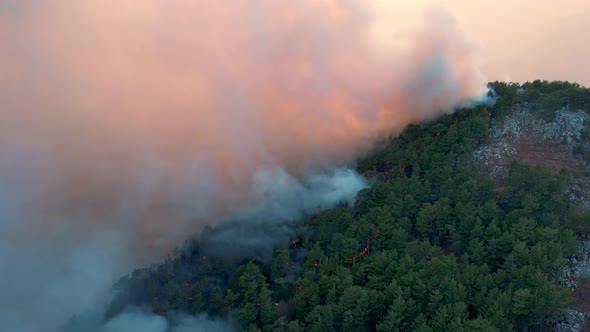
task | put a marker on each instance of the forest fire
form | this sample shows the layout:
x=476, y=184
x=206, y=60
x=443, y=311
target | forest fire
x=172, y=117
x=364, y=251
x=325, y=255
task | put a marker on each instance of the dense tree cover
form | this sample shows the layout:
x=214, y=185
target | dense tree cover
x=549, y=96
x=434, y=244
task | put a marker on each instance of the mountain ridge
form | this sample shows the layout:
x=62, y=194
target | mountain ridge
x=466, y=226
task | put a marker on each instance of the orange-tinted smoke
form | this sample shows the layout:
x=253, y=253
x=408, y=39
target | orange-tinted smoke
x=520, y=41
x=152, y=116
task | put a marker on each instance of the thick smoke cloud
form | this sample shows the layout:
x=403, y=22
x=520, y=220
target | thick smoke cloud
x=126, y=126
x=282, y=200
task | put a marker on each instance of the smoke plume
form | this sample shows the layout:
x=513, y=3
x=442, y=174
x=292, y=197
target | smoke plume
x=126, y=126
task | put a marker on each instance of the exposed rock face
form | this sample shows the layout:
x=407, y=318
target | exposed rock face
x=566, y=128
x=526, y=136
x=576, y=276
x=572, y=321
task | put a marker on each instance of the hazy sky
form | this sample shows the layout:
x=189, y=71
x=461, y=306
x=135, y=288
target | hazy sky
x=125, y=125
x=520, y=40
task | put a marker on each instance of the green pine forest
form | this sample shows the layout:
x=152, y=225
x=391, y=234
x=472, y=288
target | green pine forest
x=434, y=244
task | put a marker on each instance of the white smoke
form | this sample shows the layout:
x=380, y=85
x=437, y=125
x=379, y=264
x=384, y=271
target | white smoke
x=126, y=126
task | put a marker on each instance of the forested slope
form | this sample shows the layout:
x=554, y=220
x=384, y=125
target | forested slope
x=434, y=244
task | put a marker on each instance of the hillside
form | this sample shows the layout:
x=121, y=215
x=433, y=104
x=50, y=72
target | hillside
x=473, y=222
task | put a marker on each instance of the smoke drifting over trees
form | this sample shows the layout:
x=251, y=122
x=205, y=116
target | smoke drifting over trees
x=127, y=126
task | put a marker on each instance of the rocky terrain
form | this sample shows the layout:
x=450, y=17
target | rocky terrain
x=576, y=276
x=525, y=134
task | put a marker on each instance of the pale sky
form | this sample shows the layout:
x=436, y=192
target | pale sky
x=520, y=40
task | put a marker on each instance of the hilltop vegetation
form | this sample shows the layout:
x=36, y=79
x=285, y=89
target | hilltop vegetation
x=432, y=245
x=550, y=95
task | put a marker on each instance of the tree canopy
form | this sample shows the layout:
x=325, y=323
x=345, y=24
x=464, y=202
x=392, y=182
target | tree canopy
x=432, y=245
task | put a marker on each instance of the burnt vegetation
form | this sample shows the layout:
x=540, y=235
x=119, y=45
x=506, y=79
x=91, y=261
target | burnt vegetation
x=432, y=245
